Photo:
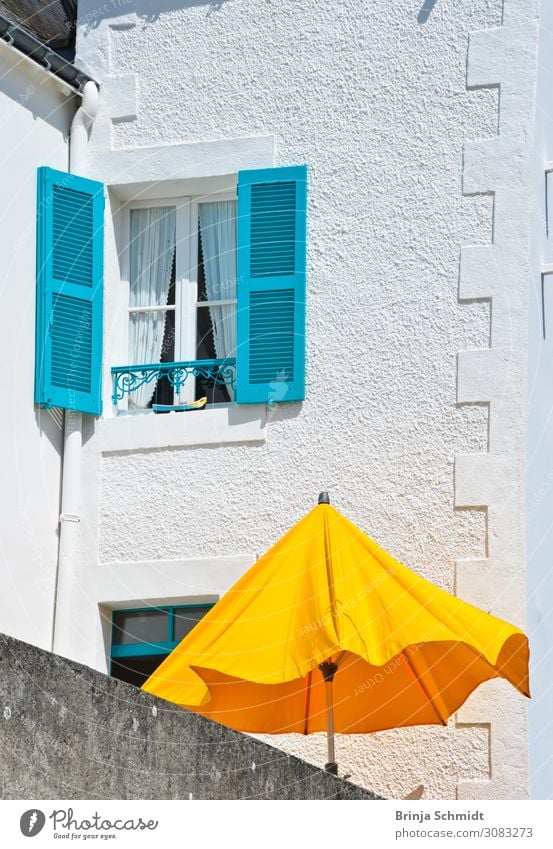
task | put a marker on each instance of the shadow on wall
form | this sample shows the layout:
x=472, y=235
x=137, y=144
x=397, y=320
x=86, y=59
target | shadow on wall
x=425, y=11
x=50, y=425
x=92, y=14
x=417, y=793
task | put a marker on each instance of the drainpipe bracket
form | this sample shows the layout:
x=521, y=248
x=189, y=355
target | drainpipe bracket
x=69, y=517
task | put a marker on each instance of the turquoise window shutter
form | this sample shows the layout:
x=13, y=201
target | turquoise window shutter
x=270, y=351
x=69, y=312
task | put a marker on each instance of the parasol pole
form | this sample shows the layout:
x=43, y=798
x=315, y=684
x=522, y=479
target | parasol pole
x=328, y=670
x=327, y=667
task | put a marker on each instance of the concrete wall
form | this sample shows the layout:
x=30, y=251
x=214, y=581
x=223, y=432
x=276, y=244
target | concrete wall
x=415, y=409
x=540, y=427
x=35, y=115
x=68, y=732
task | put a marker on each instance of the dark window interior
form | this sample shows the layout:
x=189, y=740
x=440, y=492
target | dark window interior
x=205, y=346
x=135, y=670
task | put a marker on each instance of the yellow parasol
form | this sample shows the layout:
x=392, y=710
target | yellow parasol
x=328, y=632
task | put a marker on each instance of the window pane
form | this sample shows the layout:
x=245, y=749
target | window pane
x=186, y=618
x=202, y=292
x=152, y=250
x=146, y=331
x=205, y=346
x=141, y=626
x=152, y=334
x=171, y=292
x=164, y=393
x=217, y=227
x=216, y=393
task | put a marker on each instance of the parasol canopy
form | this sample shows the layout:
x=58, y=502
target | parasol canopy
x=327, y=629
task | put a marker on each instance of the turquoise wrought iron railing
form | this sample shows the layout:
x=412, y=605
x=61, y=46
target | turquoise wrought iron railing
x=127, y=379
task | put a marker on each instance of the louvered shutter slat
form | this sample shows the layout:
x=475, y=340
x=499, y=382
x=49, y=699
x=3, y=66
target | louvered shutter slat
x=69, y=292
x=271, y=285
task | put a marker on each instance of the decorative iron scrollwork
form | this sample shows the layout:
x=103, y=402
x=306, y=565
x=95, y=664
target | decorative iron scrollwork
x=127, y=379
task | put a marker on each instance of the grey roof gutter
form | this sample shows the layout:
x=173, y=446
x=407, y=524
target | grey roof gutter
x=44, y=56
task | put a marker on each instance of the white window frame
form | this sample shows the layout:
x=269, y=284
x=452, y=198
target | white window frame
x=186, y=277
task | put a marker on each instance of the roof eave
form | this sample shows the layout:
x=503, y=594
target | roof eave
x=44, y=56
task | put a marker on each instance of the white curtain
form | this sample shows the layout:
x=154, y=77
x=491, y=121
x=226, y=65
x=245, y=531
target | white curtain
x=218, y=234
x=151, y=259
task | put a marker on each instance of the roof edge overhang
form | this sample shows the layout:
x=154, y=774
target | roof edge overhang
x=46, y=58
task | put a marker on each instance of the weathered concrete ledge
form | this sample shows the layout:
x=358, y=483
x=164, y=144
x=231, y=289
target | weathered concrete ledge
x=69, y=732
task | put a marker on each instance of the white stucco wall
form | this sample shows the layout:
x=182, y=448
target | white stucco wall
x=540, y=427
x=35, y=115
x=421, y=446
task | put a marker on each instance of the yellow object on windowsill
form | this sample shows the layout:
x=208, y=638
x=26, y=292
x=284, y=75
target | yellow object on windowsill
x=171, y=408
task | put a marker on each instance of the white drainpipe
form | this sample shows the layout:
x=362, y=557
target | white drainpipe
x=66, y=573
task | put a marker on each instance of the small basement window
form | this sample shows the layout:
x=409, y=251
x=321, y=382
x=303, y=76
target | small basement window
x=142, y=638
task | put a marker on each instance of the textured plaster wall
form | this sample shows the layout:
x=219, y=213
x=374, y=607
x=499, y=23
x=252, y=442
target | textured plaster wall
x=35, y=115
x=409, y=436
x=499, y=274
x=540, y=428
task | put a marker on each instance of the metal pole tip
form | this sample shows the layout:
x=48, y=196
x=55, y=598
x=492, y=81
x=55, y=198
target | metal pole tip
x=324, y=498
